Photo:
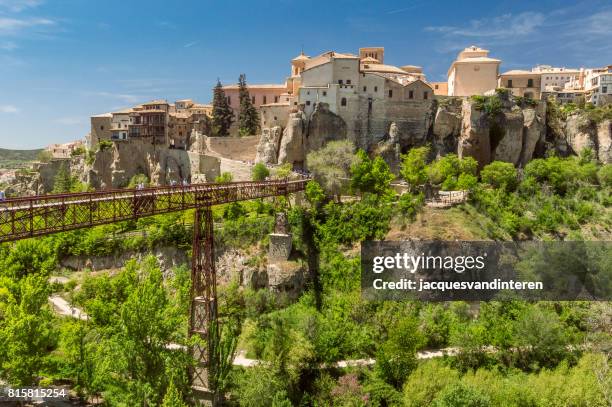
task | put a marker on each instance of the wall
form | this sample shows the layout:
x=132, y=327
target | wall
x=100, y=129
x=274, y=115
x=237, y=148
x=469, y=81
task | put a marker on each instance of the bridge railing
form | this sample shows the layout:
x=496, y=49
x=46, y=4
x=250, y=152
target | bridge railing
x=40, y=215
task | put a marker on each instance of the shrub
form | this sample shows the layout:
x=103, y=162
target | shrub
x=461, y=395
x=260, y=172
x=224, y=178
x=500, y=175
x=137, y=180
x=373, y=176
x=424, y=384
x=414, y=166
x=105, y=145
x=604, y=175
x=409, y=205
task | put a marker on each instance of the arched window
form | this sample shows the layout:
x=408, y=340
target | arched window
x=343, y=102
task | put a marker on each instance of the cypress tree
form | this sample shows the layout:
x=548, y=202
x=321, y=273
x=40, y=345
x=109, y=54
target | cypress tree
x=248, y=118
x=222, y=113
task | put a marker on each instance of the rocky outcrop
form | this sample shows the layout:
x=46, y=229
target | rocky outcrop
x=506, y=136
x=114, y=167
x=292, y=143
x=447, y=126
x=167, y=258
x=580, y=133
x=604, y=141
x=534, y=129
x=389, y=149
x=474, y=138
x=324, y=126
x=269, y=143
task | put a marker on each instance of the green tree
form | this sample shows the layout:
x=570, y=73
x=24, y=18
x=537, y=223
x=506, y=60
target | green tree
x=138, y=357
x=499, y=174
x=222, y=114
x=63, y=181
x=331, y=165
x=173, y=397
x=447, y=170
x=373, y=176
x=26, y=332
x=396, y=357
x=414, y=166
x=260, y=172
x=248, y=117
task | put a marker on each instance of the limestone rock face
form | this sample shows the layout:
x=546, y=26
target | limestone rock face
x=580, y=133
x=389, y=149
x=292, y=142
x=604, y=142
x=534, y=128
x=474, y=138
x=446, y=127
x=286, y=276
x=509, y=130
x=114, y=167
x=324, y=126
x=268, y=146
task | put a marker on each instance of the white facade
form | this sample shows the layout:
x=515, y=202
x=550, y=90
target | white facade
x=119, y=125
x=554, y=78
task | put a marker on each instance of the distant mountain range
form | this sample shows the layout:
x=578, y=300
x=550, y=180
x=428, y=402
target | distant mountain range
x=17, y=158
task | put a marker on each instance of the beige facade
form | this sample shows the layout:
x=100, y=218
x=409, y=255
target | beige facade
x=64, y=150
x=473, y=73
x=522, y=83
x=100, y=129
x=440, y=88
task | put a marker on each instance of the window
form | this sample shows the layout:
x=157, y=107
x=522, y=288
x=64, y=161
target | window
x=375, y=88
x=340, y=81
x=509, y=83
x=229, y=100
x=365, y=88
x=530, y=83
x=390, y=93
x=604, y=89
x=348, y=81
x=324, y=93
x=437, y=86
x=264, y=100
x=425, y=95
x=410, y=94
x=275, y=99
x=308, y=103
x=253, y=100
x=343, y=102
x=101, y=127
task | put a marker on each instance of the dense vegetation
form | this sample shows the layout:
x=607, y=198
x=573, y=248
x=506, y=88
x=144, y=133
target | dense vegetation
x=503, y=353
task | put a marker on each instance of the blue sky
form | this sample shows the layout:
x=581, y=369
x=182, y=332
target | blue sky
x=64, y=60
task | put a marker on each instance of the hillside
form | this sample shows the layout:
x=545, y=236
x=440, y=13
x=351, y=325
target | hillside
x=17, y=158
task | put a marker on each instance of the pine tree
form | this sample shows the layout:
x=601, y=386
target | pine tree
x=222, y=113
x=248, y=118
x=63, y=181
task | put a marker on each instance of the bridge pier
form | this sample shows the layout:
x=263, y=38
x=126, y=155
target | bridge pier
x=203, y=321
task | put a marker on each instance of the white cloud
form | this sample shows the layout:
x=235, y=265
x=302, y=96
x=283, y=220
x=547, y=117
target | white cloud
x=8, y=109
x=19, y=5
x=190, y=44
x=504, y=27
x=14, y=26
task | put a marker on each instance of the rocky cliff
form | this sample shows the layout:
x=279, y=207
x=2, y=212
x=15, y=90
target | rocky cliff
x=492, y=128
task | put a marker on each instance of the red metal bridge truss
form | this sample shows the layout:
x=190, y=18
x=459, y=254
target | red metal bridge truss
x=26, y=217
